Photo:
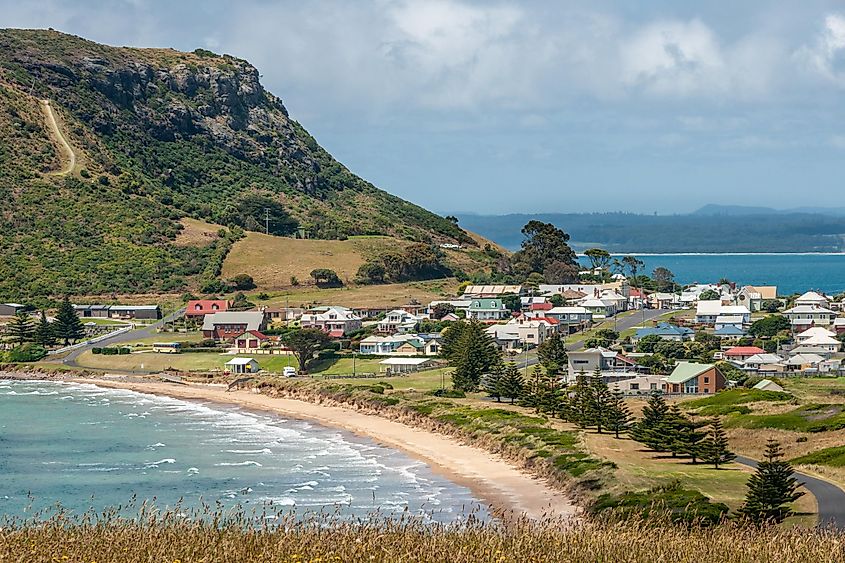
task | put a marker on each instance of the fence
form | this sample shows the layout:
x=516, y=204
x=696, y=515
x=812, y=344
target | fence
x=94, y=340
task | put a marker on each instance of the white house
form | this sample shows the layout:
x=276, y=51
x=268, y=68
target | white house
x=708, y=312
x=814, y=331
x=803, y=317
x=813, y=299
x=487, y=310
x=734, y=321
x=824, y=342
x=405, y=365
x=521, y=333
x=598, y=308
x=399, y=321
x=337, y=321
x=640, y=385
x=758, y=361
x=242, y=365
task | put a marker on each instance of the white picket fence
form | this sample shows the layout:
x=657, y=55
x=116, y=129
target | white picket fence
x=93, y=340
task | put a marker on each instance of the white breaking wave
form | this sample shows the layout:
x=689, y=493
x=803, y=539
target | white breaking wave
x=238, y=464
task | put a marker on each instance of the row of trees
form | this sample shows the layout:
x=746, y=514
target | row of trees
x=66, y=327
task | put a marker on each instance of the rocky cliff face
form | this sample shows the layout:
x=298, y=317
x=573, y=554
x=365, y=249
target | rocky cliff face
x=203, y=130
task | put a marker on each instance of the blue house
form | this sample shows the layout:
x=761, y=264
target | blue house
x=729, y=331
x=665, y=331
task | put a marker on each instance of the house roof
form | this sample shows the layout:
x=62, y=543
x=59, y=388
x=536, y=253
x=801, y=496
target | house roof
x=808, y=309
x=744, y=351
x=804, y=359
x=573, y=294
x=730, y=319
x=808, y=350
x=664, y=329
x=487, y=304
x=252, y=319
x=709, y=307
x=592, y=303
x=763, y=359
x=404, y=361
x=684, y=371
x=729, y=330
x=767, y=384
x=205, y=306
x=567, y=311
x=812, y=296
x=765, y=291
x=815, y=331
x=255, y=333
x=240, y=361
x=492, y=289
x=821, y=340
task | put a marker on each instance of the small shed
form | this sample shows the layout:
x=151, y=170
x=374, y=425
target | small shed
x=767, y=385
x=242, y=365
x=405, y=365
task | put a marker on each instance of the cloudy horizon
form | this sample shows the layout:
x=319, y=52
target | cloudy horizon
x=502, y=107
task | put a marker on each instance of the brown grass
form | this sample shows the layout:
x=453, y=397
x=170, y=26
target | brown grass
x=174, y=540
x=390, y=295
x=196, y=233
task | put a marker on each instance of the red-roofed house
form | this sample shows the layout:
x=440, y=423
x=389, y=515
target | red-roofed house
x=201, y=307
x=540, y=307
x=250, y=339
x=742, y=353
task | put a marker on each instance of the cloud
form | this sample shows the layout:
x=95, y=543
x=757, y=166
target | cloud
x=826, y=55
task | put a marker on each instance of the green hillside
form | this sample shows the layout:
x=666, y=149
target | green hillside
x=159, y=135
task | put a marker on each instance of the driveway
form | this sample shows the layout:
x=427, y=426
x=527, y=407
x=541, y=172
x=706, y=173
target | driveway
x=137, y=334
x=830, y=498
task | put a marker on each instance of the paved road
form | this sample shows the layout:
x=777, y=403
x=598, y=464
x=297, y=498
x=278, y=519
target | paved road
x=143, y=332
x=622, y=324
x=831, y=499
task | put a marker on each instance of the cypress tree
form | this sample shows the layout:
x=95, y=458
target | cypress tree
x=511, y=382
x=475, y=355
x=771, y=488
x=552, y=354
x=601, y=399
x=618, y=415
x=491, y=383
x=20, y=328
x=43, y=334
x=649, y=429
x=716, y=445
x=68, y=327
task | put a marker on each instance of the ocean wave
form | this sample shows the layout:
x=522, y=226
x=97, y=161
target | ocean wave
x=261, y=451
x=167, y=460
x=238, y=464
x=156, y=445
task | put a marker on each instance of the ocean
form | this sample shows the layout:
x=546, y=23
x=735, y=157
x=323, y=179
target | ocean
x=792, y=273
x=86, y=447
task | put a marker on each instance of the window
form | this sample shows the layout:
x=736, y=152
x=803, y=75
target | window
x=214, y=306
x=635, y=387
x=653, y=386
x=706, y=380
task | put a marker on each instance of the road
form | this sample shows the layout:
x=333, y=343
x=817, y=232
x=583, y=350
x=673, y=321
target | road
x=830, y=498
x=143, y=332
x=622, y=324
x=57, y=132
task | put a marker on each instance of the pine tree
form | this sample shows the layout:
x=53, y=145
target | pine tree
x=475, y=355
x=68, y=327
x=601, y=399
x=511, y=383
x=686, y=437
x=716, y=445
x=43, y=334
x=491, y=383
x=451, y=337
x=581, y=402
x=618, y=415
x=649, y=430
x=552, y=354
x=20, y=328
x=771, y=488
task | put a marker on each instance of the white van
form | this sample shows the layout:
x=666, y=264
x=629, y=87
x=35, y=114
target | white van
x=289, y=371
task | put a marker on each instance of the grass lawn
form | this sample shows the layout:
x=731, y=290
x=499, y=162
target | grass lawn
x=103, y=322
x=166, y=337
x=734, y=401
x=389, y=295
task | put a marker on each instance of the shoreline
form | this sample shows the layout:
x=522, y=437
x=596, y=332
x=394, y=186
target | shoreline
x=509, y=491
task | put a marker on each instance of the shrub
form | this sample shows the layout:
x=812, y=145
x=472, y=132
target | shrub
x=28, y=352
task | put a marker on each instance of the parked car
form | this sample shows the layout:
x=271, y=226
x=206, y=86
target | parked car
x=289, y=371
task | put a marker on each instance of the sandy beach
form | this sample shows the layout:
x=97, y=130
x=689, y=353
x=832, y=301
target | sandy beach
x=507, y=489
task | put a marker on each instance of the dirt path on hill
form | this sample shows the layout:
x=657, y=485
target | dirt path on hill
x=70, y=156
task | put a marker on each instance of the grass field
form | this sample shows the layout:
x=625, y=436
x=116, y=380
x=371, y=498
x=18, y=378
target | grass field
x=103, y=322
x=197, y=233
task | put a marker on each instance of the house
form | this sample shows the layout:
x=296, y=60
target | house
x=242, y=365
x=803, y=362
x=664, y=301
x=758, y=362
x=283, y=314
x=588, y=290
x=521, y=333
x=813, y=299
x=487, y=310
x=691, y=379
x=665, y=331
x=823, y=342
x=598, y=308
x=249, y=340
x=398, y=320
x=709, y=311
x=803, y=317
x=588, y=361
x=490, y=291
x=640, y=385
x=10, y=309
x=729, y=331
x=202, y=307
x=227, y=325
x=742, y=353
x=383, y=345
x=817, y=350
x=636, y=299
x=572, y=317
x=405, y=365
x=753, y=296
x=145, y=312
x=336, y=321
x=735, y=321
x=767, y=385
x=814, y=331
x=450, y=317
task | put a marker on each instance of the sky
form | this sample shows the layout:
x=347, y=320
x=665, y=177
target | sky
x=558, y=106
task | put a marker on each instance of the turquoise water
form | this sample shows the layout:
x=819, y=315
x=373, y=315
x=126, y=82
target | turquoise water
x=792, y=273
x=87, y=447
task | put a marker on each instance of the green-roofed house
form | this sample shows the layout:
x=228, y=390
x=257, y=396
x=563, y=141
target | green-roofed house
x=487, y=310
x=692, y=379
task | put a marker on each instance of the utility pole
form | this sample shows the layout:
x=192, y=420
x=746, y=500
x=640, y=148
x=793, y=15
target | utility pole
x=266, y=220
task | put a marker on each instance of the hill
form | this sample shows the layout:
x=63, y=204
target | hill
x=146, y=140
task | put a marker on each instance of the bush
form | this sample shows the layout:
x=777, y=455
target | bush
x=448, y=393
x=26, y=353
x=96, y=350
x=242, y=282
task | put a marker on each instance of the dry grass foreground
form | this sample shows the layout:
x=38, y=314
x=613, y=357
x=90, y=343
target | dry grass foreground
x=171, y=539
